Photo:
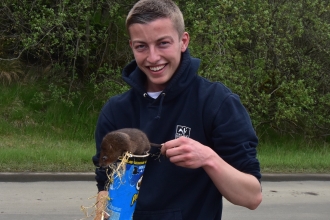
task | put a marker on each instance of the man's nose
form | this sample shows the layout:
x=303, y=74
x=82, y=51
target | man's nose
x=153, y=55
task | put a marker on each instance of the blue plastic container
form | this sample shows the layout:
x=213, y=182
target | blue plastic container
x=124, y=191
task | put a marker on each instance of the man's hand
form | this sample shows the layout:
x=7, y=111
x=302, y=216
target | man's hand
x=237, y=187
x=186, y=152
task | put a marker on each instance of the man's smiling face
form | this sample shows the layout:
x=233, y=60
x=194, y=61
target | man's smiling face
x=157, y=49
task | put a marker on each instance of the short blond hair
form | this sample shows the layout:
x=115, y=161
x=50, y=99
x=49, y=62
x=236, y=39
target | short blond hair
x=146, y=11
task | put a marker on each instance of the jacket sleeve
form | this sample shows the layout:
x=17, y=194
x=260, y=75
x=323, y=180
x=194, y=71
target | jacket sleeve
x=234, y=137
x=103, y=126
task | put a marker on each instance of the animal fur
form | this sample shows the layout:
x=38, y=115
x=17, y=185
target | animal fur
x=116, y=143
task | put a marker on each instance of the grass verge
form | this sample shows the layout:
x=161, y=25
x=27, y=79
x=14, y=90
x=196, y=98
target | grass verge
x=50, y=136
x=25, y=153
x=294, y=156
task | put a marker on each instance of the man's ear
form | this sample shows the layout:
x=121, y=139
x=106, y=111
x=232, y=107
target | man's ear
x=130, y=44
x=184, y=41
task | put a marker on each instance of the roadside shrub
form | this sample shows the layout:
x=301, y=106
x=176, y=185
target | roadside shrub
x=10, y=71
x=80, y=36
x=274, y=54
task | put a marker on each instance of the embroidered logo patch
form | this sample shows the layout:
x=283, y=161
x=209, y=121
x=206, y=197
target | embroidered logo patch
x=182, y=131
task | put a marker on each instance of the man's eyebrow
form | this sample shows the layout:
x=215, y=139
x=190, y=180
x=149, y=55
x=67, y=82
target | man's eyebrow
x=164, y=38
x=138, y=41
x=160, y=39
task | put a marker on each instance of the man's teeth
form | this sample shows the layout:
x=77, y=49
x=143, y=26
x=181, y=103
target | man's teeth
x=157, y=68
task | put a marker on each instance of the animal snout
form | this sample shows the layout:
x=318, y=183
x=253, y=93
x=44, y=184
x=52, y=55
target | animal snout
x=103, y=161
x=104, y=158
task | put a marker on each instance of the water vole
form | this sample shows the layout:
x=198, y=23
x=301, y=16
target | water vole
x=117, y=142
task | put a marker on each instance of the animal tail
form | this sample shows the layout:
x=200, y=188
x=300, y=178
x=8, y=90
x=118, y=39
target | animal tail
x=156, y=145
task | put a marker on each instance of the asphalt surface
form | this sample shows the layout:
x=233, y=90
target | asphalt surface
x=54, y=196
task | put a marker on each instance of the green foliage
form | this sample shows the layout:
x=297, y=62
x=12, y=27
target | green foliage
x=274, y=54
x=79, y=35
x=10, y=71
x=21, y=113
x=110, y=85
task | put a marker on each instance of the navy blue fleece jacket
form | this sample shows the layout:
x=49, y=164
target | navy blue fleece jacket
x=191, y=106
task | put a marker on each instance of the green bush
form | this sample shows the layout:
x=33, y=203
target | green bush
x=79, y=35
x=274, y=54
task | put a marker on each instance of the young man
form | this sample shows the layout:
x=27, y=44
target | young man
x=209, y=142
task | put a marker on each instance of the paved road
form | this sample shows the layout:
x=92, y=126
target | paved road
x=62, y=200
x=308, y=200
